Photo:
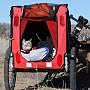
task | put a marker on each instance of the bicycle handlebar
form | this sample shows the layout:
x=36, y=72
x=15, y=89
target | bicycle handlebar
x=71, y=17
x=81, y=20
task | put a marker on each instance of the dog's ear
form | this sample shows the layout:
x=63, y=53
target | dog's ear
x=23, y=41
x=31, y=40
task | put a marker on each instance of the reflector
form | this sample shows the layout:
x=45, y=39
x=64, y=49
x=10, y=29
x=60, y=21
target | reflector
x=59, y=59
x=62, y=23
x=16, y=21
x=18, y=58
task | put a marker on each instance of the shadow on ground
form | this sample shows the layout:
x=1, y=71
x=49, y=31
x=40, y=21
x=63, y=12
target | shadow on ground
x=83, y=82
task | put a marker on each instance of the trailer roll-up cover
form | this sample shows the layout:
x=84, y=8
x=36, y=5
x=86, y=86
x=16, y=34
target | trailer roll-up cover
x=38, y=10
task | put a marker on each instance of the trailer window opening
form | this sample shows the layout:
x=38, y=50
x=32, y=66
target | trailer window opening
x=39, y=30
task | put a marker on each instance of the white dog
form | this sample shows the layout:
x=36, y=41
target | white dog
x=27, y=45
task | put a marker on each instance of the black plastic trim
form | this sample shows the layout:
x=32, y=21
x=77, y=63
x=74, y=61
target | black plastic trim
x=68, y=31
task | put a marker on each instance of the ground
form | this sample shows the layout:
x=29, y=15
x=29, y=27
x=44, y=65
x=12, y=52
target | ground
x=26, y=80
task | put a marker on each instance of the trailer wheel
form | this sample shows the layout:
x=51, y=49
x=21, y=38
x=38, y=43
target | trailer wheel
x=9, y=73
x=88, y=68
x=88, y=63
x=73, y=69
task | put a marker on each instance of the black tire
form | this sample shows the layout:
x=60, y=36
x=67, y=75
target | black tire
x=73, y=69
x=9, y=76
x=88, y=67
x=82, y=57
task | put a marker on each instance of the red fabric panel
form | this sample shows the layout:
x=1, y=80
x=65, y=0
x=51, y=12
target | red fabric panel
x=61, y=18
x=23, y=25
x=37, y=10
x=53, y=31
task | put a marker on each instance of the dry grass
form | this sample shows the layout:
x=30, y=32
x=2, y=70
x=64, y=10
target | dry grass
x=3, y=46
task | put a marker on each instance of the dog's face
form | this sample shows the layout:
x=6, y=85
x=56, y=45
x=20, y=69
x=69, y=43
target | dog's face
x=26, y=45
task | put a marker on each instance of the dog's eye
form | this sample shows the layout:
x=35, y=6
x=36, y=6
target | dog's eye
x=28, y=44
x=25, y=46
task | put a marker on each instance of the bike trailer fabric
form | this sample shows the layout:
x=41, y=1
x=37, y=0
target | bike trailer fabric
x=37, y=10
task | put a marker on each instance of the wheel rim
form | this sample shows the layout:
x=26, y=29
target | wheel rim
x=12, y=79
x=11, y=73
x=11, y=68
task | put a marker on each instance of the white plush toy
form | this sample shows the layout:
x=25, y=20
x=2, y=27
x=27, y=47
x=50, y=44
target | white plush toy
x=27, y=45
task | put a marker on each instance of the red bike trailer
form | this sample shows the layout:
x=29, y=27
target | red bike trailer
x=59, y=27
